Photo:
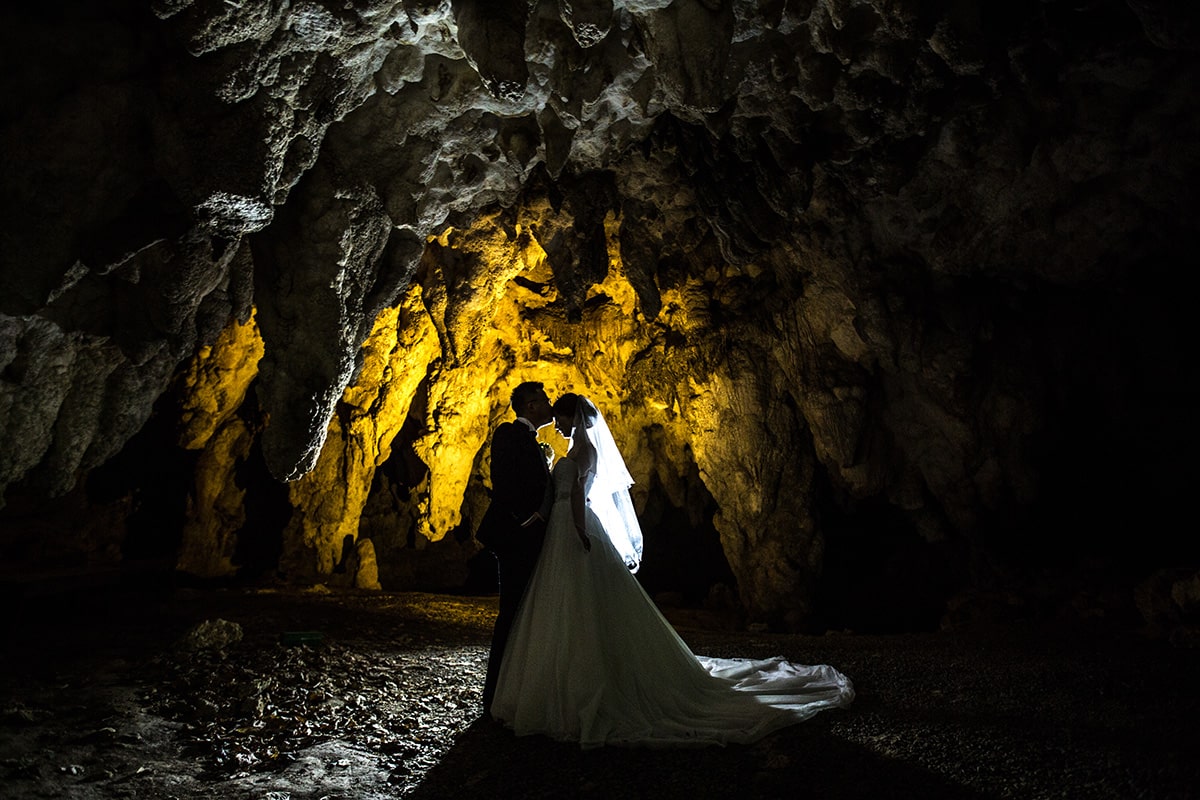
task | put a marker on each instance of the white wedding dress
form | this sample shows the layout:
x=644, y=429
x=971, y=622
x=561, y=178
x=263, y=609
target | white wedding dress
x=591, y=659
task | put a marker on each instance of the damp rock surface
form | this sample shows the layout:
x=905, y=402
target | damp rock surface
x=100, y=705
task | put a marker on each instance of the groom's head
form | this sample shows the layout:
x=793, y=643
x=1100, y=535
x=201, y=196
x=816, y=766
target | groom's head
x=529, y=400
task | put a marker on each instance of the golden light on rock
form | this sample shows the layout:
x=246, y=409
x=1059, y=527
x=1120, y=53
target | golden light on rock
x=213, y=385
x=484, y=312
x=809, y=294
x=498, y=332
x=215, y=509
x=214, y=382
x=328, y=502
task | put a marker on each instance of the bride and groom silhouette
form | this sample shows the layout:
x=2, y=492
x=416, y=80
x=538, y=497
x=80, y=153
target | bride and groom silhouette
x=579, y=651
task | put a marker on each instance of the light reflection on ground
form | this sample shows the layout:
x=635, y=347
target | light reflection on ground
x=96, y=703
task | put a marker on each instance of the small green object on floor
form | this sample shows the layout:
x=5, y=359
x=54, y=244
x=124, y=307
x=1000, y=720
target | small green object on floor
x=300, y=637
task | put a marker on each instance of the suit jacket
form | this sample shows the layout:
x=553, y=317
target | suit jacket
x=520, y=484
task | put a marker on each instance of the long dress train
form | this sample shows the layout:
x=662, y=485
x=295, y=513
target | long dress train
x=591, y=659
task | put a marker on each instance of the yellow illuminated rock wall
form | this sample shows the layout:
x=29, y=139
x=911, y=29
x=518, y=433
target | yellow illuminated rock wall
x=665, y=379
x=328, y=501
x=213, y=385
x=215, y=507
x=680, y=394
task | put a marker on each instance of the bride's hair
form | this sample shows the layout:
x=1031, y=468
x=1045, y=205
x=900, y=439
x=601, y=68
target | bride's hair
x=565, y=405
x=568, y=405
x=582, y=414
x=603, y=474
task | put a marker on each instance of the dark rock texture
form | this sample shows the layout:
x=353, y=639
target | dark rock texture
x=890, y=297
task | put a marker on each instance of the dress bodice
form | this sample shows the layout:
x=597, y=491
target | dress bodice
x=566, y=473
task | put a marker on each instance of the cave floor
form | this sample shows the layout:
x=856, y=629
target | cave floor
x=98, y=700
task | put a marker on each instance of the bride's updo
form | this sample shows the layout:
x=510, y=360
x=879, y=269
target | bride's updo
x=583, y=416
x=566, y=405
x=576, y=408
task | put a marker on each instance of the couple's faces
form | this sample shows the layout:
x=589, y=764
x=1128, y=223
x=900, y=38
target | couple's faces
x=564, y=426
x=538, y=410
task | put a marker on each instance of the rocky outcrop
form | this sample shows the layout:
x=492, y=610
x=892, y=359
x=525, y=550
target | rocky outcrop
x=829, y=256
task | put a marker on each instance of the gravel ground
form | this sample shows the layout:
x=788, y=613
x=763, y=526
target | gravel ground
x=105, y=696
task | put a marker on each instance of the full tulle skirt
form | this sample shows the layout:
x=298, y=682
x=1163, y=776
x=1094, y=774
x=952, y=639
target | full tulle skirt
x=591, y=659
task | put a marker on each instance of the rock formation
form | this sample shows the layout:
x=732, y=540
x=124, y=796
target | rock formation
x=888, y=296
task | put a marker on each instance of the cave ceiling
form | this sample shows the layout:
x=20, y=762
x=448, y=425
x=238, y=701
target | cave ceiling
x=801, y=239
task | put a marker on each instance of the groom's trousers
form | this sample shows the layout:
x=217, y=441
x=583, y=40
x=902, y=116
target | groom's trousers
x=515, y=569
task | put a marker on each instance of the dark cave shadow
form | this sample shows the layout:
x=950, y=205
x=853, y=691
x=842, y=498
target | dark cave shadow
x=805, y=760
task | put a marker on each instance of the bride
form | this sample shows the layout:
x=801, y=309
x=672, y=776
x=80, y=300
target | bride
x=592, y=660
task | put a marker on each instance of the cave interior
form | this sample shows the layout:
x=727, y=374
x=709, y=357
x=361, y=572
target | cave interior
x=887, y=302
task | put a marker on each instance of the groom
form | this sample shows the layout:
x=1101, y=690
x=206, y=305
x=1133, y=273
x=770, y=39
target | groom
x=515, y=523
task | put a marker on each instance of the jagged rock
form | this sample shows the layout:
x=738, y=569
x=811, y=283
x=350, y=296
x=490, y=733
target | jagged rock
x=214, y=383
x=212, y=634
x=366, y=576
x=328, y=501
x=589, y=20
x=216, y=505
x=493, y=37
x=827, y=256
x=1169, y=602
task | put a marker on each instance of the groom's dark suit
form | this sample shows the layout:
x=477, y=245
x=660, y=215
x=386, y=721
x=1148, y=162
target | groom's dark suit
x=520, y=480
